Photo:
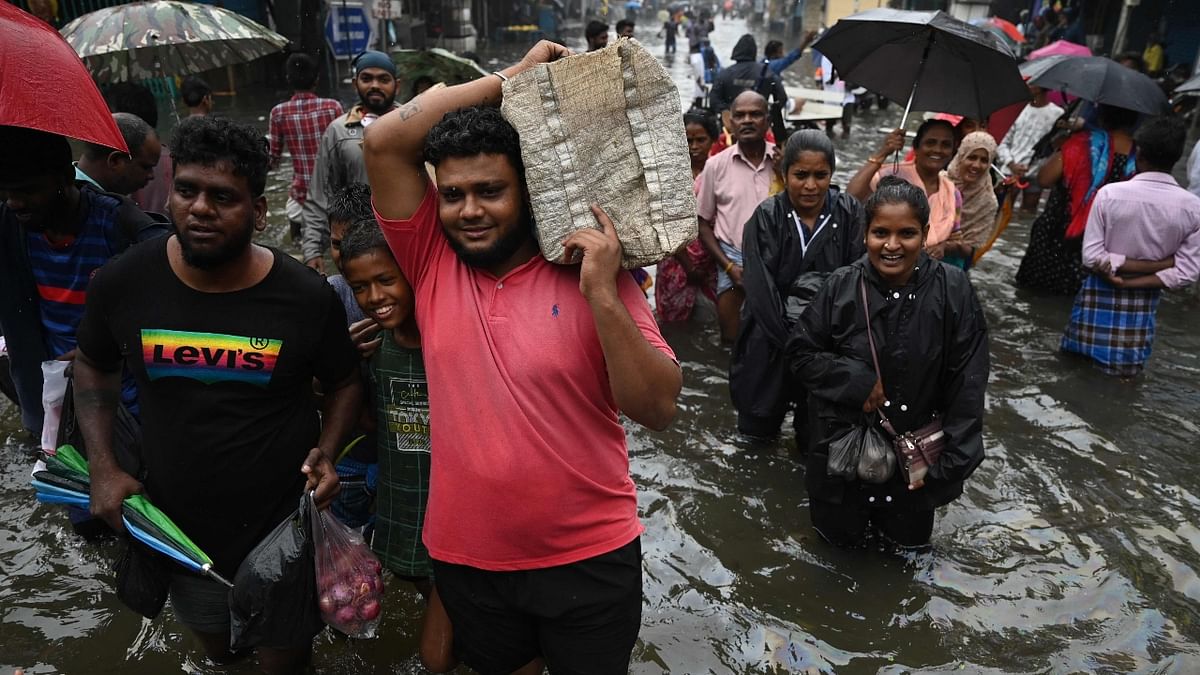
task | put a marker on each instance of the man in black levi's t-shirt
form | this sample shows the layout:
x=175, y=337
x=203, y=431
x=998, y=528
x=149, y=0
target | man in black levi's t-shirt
x=224, y=338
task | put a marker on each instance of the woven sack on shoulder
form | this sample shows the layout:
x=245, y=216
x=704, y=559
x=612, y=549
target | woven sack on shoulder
x=605, y=127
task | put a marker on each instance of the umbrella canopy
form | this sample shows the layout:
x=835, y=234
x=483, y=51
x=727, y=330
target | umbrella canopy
x=1192, y=86
x=929, y=59
x=66, y=481
x=437, y=64
x=1101, y=80
x=1035, y=67
x=1009, y=28
x=145, y=40
x=1060, y=48
x=36, y=65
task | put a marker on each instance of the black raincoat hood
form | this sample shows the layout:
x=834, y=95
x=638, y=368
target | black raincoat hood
x=746, y=49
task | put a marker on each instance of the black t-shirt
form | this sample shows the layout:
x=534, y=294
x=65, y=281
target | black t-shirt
x=225, y=386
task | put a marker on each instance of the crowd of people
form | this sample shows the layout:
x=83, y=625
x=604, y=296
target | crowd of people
x=443, y=365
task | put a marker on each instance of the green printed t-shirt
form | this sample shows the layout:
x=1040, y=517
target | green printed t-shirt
x=402, y=414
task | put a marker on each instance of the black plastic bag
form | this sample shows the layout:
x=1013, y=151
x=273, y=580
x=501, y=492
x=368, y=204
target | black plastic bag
x=274, y=598
x=127, y=433
x=844, y=453
x=143, y=579
x=877, y=458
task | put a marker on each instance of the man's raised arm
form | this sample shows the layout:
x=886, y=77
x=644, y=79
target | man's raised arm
x=394, y=144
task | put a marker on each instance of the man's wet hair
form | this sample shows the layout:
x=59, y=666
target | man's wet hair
x=473, y=131
x=351, y=204
x=133, y=129
x=193, y=90
x=1160, y=142
x=896, y=190
x=132, y=97
x=623, y=23
x=808, y=140
x=206, y=140
x=928, y=125
x=595, y=28
x=705, y=119
x=362, y=237
x=300, y=71
x=32, y=154
x=773, y=47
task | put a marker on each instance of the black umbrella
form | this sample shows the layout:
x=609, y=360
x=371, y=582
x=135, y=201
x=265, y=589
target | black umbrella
x=928, y=60
x=1101, y=80
x=1034, y=68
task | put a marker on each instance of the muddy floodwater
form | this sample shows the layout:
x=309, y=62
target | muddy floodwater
x=1075, y=547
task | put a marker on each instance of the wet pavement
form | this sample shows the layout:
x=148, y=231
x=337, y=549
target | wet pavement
x=1074, y=548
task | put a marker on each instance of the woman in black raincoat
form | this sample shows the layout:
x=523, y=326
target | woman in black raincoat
x=791, y=243
x=931, y=339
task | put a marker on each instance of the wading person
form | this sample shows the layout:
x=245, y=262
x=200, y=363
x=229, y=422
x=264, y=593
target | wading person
x=733, y=184
x=931, y=339
x=1089, y=159
x=933, y=148
x=118, y=172
x=1143, y=235
x=224, y=338
x=749, y=74
x=1014, y=155
x=530, y=349
x=298, y=124
x=339, y=157
x=596, y=35
x=971, y=173
x=691, y=270
x=792, y=242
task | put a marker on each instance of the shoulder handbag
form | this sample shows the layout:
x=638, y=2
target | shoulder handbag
x=916, y=450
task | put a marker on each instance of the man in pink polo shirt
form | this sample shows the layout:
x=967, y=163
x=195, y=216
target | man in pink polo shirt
x=532, y=517
x=734, y=183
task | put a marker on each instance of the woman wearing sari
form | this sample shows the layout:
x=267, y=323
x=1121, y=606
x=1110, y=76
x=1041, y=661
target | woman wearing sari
x=932, y=150
x=970, y=170
x=1089, y=159
x=692, y=269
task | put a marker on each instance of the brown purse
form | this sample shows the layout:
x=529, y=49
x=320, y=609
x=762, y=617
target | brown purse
x=916, y=450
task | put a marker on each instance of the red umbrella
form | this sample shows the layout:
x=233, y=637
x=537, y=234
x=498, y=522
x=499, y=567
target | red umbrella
x=44, y=85
x=1009, y=29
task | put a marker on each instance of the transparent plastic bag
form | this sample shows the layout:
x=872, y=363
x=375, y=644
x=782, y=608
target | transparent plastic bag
x=877, y=459
x=844, y=452
x=349, y=578
x=54, y=389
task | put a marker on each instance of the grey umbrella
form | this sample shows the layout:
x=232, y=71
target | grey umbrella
x=928, y=60
x=1101, y=80
x=1034, y=68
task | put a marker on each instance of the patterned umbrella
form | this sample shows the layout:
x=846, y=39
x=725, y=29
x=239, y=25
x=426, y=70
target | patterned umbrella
x=159, y=38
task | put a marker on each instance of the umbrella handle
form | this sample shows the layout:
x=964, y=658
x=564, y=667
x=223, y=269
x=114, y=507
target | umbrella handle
x=912, y=94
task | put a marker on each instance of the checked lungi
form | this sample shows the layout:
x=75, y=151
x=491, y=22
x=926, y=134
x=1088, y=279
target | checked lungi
x=1114, y=326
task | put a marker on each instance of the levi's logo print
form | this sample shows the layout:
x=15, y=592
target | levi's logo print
x=209, y=357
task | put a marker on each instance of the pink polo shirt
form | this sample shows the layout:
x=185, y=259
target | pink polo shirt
x=731, y=188
x=529, y=467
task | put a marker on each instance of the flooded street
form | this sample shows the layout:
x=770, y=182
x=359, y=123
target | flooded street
x=1075, y=547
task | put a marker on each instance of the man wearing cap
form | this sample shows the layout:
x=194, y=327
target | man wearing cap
x=339, y=157
x=120, y=172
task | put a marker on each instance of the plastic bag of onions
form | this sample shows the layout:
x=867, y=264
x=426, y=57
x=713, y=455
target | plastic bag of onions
x=349, y=578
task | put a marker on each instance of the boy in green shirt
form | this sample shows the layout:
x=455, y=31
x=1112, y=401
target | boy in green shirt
x=402, y=424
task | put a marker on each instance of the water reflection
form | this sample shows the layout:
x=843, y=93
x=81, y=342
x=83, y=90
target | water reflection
x=1074, y=548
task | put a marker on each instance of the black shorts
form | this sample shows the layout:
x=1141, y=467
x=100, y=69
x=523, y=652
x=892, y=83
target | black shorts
x=581, y=618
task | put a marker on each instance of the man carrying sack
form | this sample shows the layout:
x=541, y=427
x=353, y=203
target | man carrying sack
x=527, y=378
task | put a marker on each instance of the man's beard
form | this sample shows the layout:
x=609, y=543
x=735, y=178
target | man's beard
x=501, y=250
x=222, y=255
x=384, y=107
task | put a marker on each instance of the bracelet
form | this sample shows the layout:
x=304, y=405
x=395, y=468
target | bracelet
x=873, y=160
x=502, y=76
x=728, y=266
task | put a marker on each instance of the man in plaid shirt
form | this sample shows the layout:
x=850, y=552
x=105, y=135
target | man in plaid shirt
x=299, y=123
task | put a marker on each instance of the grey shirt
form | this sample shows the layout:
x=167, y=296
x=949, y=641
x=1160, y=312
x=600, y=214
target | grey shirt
x=339, y=163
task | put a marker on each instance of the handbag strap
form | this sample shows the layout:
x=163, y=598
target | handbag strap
x=862, y=287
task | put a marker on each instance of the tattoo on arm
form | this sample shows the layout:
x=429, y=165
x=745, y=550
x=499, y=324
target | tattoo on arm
x=410, y=110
